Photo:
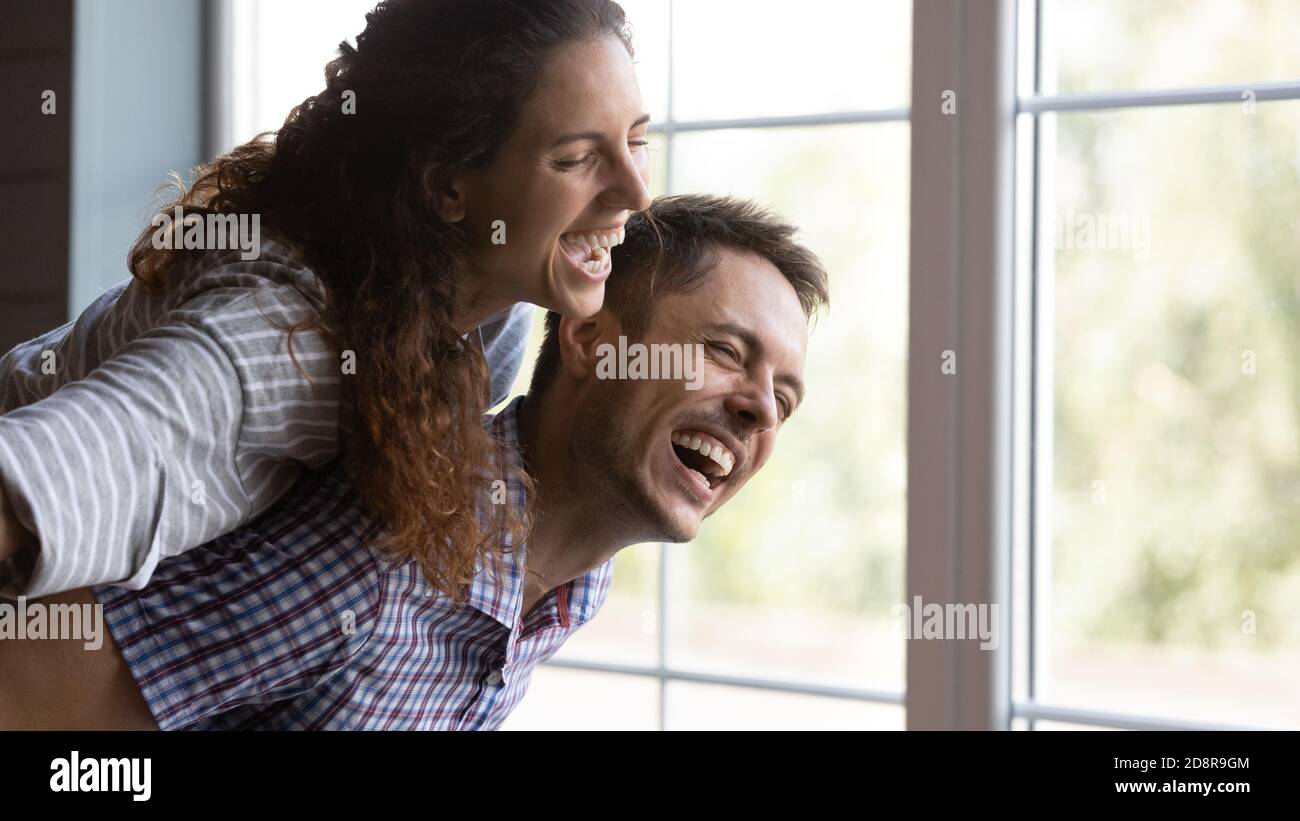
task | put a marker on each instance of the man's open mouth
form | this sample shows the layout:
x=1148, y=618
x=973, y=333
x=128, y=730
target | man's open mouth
x=704, y=456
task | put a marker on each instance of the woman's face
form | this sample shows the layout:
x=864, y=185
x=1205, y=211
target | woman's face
x=543, y=215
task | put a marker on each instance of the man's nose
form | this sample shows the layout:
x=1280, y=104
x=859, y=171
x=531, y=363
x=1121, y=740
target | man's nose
x=753, y=407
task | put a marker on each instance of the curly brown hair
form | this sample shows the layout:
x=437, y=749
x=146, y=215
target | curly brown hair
x=436, y=86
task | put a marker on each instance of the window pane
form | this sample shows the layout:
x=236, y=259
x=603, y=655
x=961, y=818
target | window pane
x=648, y=20
x=280, y=50
x=560, y=699
x=748, y=58
x=797, y=575
x=658, y=149
x=1131, y=44
x=713, y=707
x=1176, y=558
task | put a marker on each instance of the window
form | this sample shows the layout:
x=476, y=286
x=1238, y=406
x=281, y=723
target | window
x=1163, y=145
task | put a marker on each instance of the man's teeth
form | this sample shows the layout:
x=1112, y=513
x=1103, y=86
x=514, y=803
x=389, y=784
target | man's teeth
x=709, y=448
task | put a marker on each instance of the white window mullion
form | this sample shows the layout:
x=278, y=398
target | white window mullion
x=959, y=424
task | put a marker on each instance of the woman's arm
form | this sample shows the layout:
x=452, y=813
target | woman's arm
x=184, y=434
x=114, y=471
x=196, y=425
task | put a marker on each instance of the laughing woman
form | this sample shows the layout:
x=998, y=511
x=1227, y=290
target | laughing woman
x=465, y=156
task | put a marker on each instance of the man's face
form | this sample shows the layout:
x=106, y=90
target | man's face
x=644, y=439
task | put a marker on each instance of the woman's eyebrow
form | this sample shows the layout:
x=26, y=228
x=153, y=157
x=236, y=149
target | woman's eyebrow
x=594, y=135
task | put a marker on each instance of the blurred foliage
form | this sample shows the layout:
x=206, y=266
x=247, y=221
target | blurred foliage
x=1201, y=518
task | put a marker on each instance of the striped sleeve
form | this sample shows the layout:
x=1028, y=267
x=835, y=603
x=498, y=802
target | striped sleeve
x=505, y=340
x=196, y=425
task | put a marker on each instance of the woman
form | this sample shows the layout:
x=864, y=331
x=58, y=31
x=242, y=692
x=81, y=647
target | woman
x=465, y=156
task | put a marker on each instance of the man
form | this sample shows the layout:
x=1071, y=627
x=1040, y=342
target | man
x=293, y=622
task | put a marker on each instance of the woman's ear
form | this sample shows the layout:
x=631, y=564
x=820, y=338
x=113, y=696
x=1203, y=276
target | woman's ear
x=582, y=341
x=446, y=189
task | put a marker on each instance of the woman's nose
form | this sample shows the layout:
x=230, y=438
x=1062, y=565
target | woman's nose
x=629, y=188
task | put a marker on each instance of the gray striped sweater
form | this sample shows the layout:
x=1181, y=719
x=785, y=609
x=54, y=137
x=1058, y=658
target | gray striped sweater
x=154, y=423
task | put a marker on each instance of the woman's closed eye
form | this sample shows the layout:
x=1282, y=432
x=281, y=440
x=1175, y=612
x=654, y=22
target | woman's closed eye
x=569, y=164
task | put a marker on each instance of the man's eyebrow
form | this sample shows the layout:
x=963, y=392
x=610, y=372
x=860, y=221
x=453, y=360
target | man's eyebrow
x=594, y=135
x=740, y=331
x=752, y=342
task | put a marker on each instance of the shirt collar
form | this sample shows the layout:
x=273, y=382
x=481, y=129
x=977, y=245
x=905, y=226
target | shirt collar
x=502, y=598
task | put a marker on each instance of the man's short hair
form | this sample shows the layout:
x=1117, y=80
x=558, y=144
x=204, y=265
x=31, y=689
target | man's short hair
x=673, y=245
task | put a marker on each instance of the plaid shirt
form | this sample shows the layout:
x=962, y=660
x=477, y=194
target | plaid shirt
x=292, y=622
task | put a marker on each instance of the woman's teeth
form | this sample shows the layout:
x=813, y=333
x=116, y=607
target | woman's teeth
x=594, y=247
x=599, y=241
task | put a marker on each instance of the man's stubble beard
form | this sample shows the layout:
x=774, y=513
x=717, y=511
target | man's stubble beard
x=605, y=458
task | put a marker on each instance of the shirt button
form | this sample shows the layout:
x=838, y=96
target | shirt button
x=494, y=677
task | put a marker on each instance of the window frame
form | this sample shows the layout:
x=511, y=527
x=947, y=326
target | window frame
x=959, y=423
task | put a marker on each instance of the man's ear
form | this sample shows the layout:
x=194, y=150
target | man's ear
x=446, y=189
x=581, y=340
